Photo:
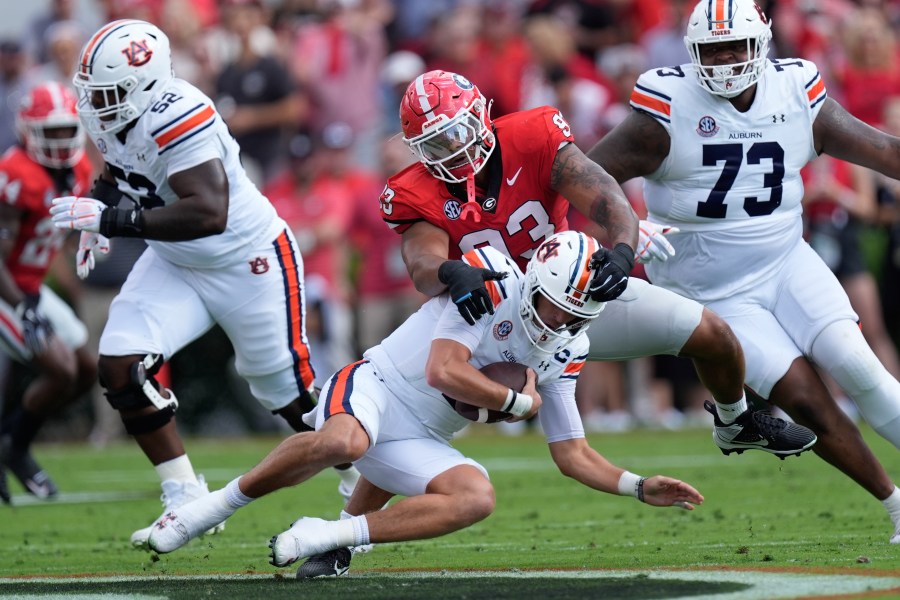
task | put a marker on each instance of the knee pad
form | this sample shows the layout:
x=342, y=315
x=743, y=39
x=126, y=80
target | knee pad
x=144, y=391
x=845, y=355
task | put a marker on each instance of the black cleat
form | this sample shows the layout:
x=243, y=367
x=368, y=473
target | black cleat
x=759, y=430
x=30, y=474
x=333, y=563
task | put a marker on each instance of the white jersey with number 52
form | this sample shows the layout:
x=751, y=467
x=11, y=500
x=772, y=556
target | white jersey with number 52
x=731, y=179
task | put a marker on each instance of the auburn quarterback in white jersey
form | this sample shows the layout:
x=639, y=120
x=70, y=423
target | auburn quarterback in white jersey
x=720, y=143
x=217, y=253
x=389, y=415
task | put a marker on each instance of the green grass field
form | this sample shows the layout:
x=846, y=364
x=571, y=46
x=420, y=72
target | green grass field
x=768, y=529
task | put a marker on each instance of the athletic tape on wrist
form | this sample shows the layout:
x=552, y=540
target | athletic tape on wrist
x=518, y=404
x=628, y=483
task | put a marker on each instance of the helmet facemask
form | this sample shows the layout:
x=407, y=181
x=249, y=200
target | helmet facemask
x=745, y=23
x=560, y=273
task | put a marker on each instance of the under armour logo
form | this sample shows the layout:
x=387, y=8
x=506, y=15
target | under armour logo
x=544, y=365
x=776, y=118
x=259, y=265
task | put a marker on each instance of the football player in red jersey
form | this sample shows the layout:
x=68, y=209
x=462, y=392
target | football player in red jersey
x=507, y=183
x=36, y=327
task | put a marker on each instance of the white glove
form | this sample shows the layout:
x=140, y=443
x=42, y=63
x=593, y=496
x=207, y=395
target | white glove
x=652, y=244
x=84, y=260
x=77, y=212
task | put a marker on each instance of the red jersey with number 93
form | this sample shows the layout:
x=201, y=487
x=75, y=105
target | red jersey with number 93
x=27, y=187
x=526, y=211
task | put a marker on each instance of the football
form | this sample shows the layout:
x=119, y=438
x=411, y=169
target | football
x=511, y=375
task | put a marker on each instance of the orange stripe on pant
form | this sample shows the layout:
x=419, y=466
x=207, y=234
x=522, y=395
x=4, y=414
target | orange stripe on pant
x=337, y=400
x=303, y=370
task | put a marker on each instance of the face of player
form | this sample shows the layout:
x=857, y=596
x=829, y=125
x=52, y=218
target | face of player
x=103, y=99
x=555, y=318
x=725, y=53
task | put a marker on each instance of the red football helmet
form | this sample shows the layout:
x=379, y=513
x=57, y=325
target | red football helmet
x=447, y=125
x=48, y=125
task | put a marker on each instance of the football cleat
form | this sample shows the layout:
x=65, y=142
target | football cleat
x=333, y=563
x=30, y=474
x=895, y=539
x=306, y=537
x=178, y=526
x=759, y=430
x=175, y=494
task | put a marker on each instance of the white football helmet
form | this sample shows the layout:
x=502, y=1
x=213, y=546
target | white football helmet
x=560, y=271
x=48, y=126
x=714, y=21
x=122, y=70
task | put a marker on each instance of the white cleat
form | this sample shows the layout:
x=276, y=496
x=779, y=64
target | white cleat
x=306, y=537
x=180, y=525
x=895, y=539
x=175, y=494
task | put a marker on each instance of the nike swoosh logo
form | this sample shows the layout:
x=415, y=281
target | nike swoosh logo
x=338, y=570
x=512, y=180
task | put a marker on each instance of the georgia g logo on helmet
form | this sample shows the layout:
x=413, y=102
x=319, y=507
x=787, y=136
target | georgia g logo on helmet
x=138, y=53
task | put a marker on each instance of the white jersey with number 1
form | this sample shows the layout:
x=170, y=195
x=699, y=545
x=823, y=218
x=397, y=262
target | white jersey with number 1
x=731, y=182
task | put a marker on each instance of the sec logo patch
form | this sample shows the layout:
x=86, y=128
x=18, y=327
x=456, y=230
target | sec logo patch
x=502, y=330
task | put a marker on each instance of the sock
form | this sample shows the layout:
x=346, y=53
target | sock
x=345, y=515
x=179, y=469
x=892, y=504
x=24, y=426
x=729, y=412
x=353, y=531
x=234, y=496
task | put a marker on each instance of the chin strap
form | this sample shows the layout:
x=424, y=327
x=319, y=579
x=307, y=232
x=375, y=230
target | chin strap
x=471, y=207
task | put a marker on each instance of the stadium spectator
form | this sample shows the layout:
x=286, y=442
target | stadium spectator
x=37, y=328
x=391, y=415
x=62, y=41
x=217, y=253
x=736, y=197
x=339, y=59
x=255, y=94
x=12, y=84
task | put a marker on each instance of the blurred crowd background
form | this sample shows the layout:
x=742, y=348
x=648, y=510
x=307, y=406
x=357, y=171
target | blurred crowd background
x=310, y=89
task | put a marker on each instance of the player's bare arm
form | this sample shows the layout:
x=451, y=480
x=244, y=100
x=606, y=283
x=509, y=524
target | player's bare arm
x=841, y=135
x=592, y=191
x=202, y=207
x=424, y=248
x=448, y=370
x=576, y=459
x=636, y=147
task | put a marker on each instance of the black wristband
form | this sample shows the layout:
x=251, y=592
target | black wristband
x=106, y=192
x=627, y=253
x=640, y=488
x=122, y=222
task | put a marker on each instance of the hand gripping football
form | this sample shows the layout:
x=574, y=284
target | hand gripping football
x=511, y=375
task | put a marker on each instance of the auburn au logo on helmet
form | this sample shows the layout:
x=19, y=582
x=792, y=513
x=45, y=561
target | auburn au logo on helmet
x=138, y=53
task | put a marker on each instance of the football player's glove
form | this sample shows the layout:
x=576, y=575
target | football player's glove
x=466, y=286
x=612, y=267
x=75, y=212
x=652, y=244
x=89, y=242
x=36, y=328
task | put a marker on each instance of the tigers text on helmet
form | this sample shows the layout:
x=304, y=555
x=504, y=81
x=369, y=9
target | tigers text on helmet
x=446, y=123
x=716, y=21
x=560, y=271
x=48, y=126
x=122, y=69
